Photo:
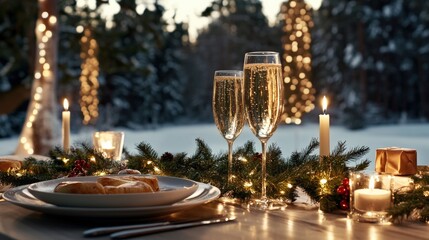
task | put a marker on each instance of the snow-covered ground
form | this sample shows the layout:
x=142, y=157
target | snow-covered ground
x=289, y=138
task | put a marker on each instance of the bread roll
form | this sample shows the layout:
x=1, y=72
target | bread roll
x=151, y=180
x=111, y=181
x=80, y=187
x=6, y=164
x=129, y=187
x=111, y=185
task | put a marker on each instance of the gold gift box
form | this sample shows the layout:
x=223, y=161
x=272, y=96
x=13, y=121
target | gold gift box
x=396, y=161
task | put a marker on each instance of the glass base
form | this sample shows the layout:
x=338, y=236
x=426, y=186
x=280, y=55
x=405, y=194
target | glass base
x=266, y=204
x=369, y=217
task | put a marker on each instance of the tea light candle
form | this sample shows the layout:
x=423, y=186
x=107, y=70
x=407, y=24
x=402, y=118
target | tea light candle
x=106, y=144
x=66, y=125
x=109, y=143
x=370, y=199
x=107, y=148
x=324, y=129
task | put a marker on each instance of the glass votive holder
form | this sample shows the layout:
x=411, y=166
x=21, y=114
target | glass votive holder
x=371, y=194
x=109, y=143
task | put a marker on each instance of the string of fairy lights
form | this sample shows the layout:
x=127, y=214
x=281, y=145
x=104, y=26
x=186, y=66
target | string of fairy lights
x=88, y=78
x=297, y=60
x=42, y=73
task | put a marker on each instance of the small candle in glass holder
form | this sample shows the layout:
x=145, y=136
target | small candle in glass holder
x=109, y=143
x=370, y=197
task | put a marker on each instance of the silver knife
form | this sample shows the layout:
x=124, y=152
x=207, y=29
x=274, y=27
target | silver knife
x=151, y=230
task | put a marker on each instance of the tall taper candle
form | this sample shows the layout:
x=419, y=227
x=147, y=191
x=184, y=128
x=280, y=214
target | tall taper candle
x=324, y=129
x=66, y=125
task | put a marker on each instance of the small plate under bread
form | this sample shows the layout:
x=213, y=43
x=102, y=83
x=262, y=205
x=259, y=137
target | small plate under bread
x=172, y=189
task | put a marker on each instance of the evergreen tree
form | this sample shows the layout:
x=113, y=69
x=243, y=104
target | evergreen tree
x=17, y=22
x=140, y=61
x=370, y=56
x=141, y=70
x=237, y=27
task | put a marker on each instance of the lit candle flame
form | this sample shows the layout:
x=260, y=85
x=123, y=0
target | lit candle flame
x=371, y=183
x=106, y=144
x=324, y=104
x=66, y=104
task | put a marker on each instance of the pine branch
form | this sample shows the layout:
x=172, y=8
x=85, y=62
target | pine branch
x=146, y=151
x=412, y=204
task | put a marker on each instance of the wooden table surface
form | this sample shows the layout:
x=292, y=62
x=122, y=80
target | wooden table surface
x=291, y=223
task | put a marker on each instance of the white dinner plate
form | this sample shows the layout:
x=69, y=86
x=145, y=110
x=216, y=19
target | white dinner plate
x=172, y=190
x=20, y=196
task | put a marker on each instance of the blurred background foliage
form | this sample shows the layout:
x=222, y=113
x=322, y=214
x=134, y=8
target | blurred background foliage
x=371, y=58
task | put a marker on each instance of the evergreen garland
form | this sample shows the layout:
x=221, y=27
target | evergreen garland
x=317, y=177
x=414, y=203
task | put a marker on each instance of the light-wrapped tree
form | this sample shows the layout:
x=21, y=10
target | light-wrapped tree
x=41, y=128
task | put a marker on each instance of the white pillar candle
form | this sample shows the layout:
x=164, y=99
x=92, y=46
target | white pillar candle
x=324, y=129
x=66, y=126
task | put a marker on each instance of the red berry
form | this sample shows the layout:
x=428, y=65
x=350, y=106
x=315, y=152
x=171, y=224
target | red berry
x=345, y=181
x=344, y=204
x=341, y=190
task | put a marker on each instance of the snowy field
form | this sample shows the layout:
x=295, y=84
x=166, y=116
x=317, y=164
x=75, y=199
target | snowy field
x=289, y=138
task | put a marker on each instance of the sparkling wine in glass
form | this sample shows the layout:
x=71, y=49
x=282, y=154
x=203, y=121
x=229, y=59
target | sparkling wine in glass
x=263, y=100
x=228, y=110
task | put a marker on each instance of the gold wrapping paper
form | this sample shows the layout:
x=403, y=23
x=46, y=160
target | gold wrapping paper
x=396, y=161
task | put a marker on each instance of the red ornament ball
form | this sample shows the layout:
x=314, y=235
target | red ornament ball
x=346, y=182
x=344, y=204
x=347, y=187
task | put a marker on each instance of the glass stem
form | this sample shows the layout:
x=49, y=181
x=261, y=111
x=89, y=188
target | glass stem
x=230, y=143
x=264, y=170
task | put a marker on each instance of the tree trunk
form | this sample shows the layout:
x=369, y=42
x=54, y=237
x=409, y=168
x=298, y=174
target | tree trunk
x=41, y=128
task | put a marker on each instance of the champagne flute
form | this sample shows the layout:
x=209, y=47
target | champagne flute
x=228, y=108
x=263, y=100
